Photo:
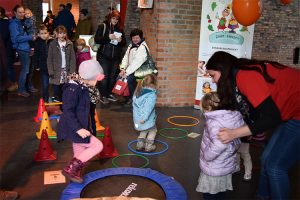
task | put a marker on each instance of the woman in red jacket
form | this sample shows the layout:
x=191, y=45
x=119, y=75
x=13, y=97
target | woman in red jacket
x=267, y=94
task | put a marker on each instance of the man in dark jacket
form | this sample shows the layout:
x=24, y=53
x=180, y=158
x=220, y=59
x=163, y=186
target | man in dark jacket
x=66, y=18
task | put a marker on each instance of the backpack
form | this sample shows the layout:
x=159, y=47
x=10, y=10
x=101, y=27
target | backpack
x=94, y=46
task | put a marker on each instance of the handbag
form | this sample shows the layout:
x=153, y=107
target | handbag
x=121, y=88
x=94, y=46
x=148, y=67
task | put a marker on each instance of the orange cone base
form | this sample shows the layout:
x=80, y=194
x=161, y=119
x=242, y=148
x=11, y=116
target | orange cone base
x=50, y=135
x=108, y=155
x=40, y=158
x=100, y=128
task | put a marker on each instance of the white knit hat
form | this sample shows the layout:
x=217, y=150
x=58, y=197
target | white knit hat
x=90, y=70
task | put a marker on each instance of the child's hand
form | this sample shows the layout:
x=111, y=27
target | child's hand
x=142, y=122
x=83, y=133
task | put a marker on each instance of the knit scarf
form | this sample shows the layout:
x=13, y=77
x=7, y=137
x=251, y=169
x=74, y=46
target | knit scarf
x=241, y=102
x=93, y=91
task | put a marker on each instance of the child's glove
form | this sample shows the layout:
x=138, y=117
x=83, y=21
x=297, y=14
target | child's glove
x=83, y=133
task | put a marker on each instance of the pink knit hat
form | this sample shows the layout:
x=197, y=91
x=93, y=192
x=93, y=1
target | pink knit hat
x=91, y=70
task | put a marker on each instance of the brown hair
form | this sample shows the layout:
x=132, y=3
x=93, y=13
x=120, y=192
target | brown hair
x=60, y=29
x=113, y=13
x=80, y=42
x=148, y=81
x=210, y=101
x=42, y=27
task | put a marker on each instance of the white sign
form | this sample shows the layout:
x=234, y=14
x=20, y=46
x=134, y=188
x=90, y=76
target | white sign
x=53, y=177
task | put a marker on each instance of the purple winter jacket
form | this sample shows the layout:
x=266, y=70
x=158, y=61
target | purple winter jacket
x=216, y=158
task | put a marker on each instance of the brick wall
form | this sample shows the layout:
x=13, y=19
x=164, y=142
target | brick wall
x=277, y=32
x=172, y=31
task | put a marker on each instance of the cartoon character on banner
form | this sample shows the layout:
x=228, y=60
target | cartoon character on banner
x=202, y=69
x=206, y=88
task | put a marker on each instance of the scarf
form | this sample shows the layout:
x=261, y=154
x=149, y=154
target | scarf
x=241, y=102
x=136, y=45
x=93, y=91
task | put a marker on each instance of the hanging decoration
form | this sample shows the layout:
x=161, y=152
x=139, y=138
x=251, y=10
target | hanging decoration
x=286, y=1
x=247, y=12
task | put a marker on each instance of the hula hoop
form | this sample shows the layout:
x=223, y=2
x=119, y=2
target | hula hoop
x=173, y=137
x=189, y=117
x=129, y=154
x=173, y=189
x=148, y=153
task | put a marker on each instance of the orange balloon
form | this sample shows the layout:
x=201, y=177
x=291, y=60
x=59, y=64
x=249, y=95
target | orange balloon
x=286, y=1
x=246, y=12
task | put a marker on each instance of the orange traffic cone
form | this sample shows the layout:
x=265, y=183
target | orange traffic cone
x=109, y=150
x=41, y=109
x=98, y=125
x=45, y=152
x=46, y=125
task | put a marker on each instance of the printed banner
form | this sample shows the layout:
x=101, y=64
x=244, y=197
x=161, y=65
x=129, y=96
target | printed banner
x=219, y=31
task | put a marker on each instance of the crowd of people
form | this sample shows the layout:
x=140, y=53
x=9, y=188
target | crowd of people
x=253, y=96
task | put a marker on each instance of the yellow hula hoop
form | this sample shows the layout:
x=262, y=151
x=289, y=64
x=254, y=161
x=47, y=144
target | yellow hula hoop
x=189, y=117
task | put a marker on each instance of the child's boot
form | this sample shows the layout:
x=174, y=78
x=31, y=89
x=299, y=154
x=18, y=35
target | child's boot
x=140, y=144
x=150, y=146
x=72, y=171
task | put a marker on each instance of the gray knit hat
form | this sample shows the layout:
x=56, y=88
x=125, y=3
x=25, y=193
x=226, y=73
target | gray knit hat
x=91, y=70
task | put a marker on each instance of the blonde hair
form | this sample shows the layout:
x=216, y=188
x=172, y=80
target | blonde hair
x=210, y=102
x=149, y=81
x=80, y=42
x=28, y=10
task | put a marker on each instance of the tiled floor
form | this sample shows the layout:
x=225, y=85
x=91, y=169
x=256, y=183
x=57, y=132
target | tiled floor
x=18, y=144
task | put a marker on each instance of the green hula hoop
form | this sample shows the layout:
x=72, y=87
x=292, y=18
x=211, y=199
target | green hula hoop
x=173, y=137
x=130, y=154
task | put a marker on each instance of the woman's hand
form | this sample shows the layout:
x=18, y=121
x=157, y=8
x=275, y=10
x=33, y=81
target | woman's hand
x=83, y=133
x=226, y=135
x=119, y=39
x=112, y=36
x=122, y=73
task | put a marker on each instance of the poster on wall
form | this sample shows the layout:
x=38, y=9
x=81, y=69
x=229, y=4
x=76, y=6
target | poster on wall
x=8, y=5
x=145, y=3
x=220, y=31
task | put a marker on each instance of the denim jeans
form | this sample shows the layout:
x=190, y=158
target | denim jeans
x=25, y=62
x=281, y=152
x=110, y=69
x=57, y=90
x=131, y=84
x=45, y=85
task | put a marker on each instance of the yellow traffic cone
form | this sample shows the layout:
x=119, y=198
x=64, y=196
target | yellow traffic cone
x=46, y=125
x=98, y=125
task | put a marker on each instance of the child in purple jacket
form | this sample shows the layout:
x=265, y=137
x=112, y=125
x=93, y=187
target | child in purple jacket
x=217, y=160
x=75, y=123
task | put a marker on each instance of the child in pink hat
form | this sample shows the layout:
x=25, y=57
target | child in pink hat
x=75, y=123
